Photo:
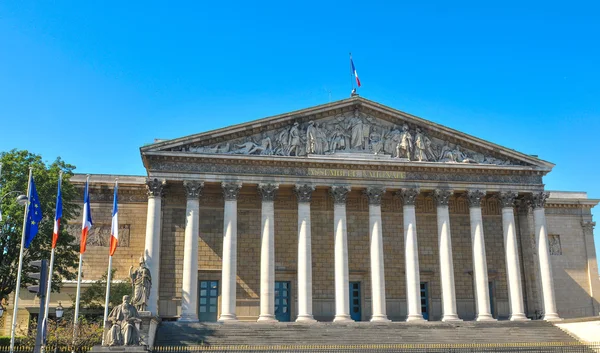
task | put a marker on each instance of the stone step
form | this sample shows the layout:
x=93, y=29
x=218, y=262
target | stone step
x=182, y=334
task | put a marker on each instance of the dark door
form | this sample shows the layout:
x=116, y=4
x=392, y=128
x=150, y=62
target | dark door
x=425, y=300
x=492, y=301
x=355, y=310
x=209, y=296
x=282, y=300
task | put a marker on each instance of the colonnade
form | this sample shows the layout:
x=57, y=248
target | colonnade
x=268, y=192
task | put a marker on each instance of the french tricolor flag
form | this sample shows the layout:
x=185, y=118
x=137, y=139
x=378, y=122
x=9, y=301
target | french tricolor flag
x=87, y=218
x=354, y=72
x=58, y=215
x=114, y=229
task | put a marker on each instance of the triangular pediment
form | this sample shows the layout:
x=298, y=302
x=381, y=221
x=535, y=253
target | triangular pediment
x=354, y=128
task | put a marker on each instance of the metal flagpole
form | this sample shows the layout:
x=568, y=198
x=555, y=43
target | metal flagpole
x=76, y=319
x=18, y=288
x=108, y=277
x=49, y=287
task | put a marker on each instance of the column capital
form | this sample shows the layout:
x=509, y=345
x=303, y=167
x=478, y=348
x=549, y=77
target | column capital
x=408, y=196
x=442, y=197
x=155, y=187
x=339, y=193
x=268, y=191
x=304, y=192
x=231, y=190
x=588, y=227
x=507, y=198
x=475, y=197
x=538, y=199
x=193, y=188
x=374, y=193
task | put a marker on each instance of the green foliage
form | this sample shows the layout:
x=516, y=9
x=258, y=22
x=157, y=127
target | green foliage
x=61, y=332
x=15, y=172
x=94, y=296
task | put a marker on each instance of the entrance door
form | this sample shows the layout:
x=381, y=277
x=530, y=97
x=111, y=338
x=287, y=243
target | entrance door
x=355, y=312
x=282, y=300
x=209, y=294
x=425, y=300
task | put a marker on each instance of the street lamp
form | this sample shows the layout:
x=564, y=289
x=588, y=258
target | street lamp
x=21, y=199
x=59, y=311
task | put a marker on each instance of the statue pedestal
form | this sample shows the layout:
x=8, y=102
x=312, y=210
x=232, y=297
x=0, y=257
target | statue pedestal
x=147, y=331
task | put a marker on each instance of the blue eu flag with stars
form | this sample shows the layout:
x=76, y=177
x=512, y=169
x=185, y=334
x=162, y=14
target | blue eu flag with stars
x=34, y=215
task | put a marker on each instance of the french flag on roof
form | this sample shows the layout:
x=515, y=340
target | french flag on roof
x=87, y=218
x=354, y=72
x=114, y=229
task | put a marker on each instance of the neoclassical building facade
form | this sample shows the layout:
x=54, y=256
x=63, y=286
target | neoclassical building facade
x=349, y=211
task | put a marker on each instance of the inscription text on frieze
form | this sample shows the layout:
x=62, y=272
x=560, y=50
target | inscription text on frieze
x=350, y=173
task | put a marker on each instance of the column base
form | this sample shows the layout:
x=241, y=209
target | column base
x=268, y=318
x=227, y=317
x=188, y=318
x=485, y=317
x=519, y=317
x=342, y=318
x=551, y=317
x=415, y=318
x=451, y=318
x=306, y=319
x=380, y=318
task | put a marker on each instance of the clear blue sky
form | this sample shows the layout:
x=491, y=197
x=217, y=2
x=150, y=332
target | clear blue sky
x=92, y=81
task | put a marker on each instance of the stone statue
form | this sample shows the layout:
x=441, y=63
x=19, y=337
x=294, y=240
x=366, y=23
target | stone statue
x=124, y=320
x=321, y=138
x=338, y=139
x=405, y=146
x=141, y=280
x=294, y=140
x=391, y=140
x=420, y=147
x=376, y=141
x=311, y=138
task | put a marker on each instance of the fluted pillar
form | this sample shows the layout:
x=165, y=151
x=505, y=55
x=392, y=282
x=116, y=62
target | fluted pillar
x=541, y=237
x=411, y=255
x=342, y=277
x=305, y=313
x=511, y=248
x=155, y=189
x=376, y=251
x=229, y=268
x=480, y=271
x=267, y=253
x=441, y=198
x=189, y=287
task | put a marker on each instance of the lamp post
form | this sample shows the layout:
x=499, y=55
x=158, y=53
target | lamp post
x=59, y=313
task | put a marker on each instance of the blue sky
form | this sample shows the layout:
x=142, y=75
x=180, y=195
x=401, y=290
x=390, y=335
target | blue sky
x=92, y=81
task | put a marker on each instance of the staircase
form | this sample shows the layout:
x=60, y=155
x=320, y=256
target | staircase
x=363, y=333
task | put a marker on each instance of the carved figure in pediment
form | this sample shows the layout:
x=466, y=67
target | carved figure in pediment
x=294, y=140
x=405, y=146
x=375, y=141
x=420, y=147
x=338, y=139
x=321, y=138
x=391, y=140
x=446, y=154
x=312, y=146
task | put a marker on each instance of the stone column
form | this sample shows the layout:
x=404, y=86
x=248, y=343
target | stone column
x=441, y=198
x=480, y=272
x=511, y=248
x=377, y=267
x=267, y=253
x=541, y=237
x=342, y=277
x=592, y=268
x=231, y=191
x=411, y=256
x=152, y=246
x=189, y=288
x=305, y=308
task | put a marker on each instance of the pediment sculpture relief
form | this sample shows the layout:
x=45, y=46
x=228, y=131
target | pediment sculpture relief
x=350, y=133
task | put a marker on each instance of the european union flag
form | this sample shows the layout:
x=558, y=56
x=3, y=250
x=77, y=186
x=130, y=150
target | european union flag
x=34, y=215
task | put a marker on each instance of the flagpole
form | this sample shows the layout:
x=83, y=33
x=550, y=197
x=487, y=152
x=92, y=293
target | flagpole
x=109, y=275
x=49, y=287
x=76, y=319
x=18, y=288
x=351, y=74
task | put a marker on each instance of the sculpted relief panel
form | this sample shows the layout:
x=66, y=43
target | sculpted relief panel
x=99, y=235
x=354, y=133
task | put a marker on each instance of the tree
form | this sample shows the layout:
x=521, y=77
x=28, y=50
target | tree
x=94, y=296
x=15, y=171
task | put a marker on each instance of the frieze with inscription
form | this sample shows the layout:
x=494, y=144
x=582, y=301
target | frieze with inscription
x=347, y=134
